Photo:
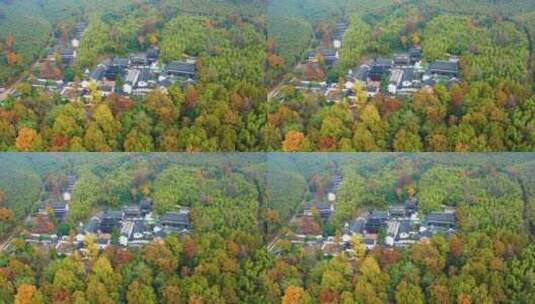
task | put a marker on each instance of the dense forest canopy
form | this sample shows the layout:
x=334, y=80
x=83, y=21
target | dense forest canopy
x=490, y=109
x=240, y=202
x=224, y=110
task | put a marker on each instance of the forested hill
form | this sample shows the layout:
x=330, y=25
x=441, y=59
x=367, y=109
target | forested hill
x=29, y=24
x=495, y=52
x=223, y=110
x=170, y=175
x=490, y=259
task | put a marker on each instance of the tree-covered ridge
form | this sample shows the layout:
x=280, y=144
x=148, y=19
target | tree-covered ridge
x=489, y=109
x=226, y=259
x=222, y=111
x=484, y=262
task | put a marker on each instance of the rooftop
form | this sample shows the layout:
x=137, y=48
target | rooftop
x=444, y=65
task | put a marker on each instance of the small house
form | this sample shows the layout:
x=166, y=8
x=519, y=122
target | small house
x=397, y=211
x=375, y=221
x=180, y=68
x=444, y=68
x=380, y=68
x=415, y=54
x=402, y=59
x=441, y=220
x=139, y=59
x=175, y=220
x=60, y=210
x=145, y=206
x=323, y=209
x=110, y=221
x=132, y=212
x=396, y=78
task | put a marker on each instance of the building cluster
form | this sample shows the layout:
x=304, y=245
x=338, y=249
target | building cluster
x=43, y=224
x=133, y=225
x=400, y=225
x=330, y=54
x=323, y=209
x=139, y=74
x=403, y=74
x=136, y=74
x=51, y=70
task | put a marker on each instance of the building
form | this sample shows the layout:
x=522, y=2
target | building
x=444, y=68
x=132, y=212
x=98, y=73
x=415, y=54
x=138, y=231
x=144, y=78
x=139, y=59
x=397, y=211
x=441, y=220
x=356, y=226
x=67, y=55
x=330, y=57
x=60, y=210
x=145, y=206
x=153, y=53
x=411, y=205
x=402, y=59
x=92, y=226
x=175, y=221
x=380, y=68
x=404, y=233
x=396, y=78
x=116, y=68
x=323, y=209
x=180, y=68
x=111, y=220
x=375, y=221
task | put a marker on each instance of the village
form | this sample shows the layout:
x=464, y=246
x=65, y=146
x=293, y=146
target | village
x=136, y=74
x=402, y=74
x=133, y=225
x=400, y=225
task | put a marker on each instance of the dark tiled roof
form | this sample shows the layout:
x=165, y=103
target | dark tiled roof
x=59, y=205
x=443, y=65
x=180, y=67
x=115, y=215
x=441, y=217
x=144, y=75
x=92, y=225
x=383, y=62
x=357, y=226
x=408, y=74
x=98, y=73
x=175, y=217
x=139, y=227
x=120, y=61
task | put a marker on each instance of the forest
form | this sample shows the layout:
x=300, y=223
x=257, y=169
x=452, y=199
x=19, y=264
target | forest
x=223, y=111
x=490, y=109
x=240, y=202
x=489, y=259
